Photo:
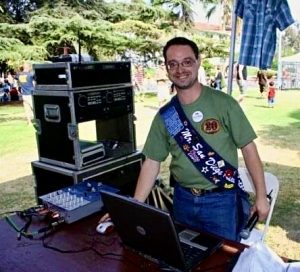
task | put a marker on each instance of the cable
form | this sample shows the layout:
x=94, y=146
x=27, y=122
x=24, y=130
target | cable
x=40, y=210
x=20, y=231
x=25, y=228
x=106, y=255
x=27, y=216
x=62, y=250
x=9, y=212
x=292, y=261
x=109, y=255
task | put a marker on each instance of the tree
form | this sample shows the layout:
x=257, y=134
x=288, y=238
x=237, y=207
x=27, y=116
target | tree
x=291, y=40
x=13, y=52
x=18, y=10
x=225, y=7
x=181, y=9
x=54, y=28
x=104, y=30
x=213, y=45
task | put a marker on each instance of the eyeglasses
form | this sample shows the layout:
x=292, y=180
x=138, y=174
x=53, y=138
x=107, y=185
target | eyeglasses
x=172, y=65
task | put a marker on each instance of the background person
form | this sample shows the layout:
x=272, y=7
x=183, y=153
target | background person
x=219, y=119
x=271, y=94
x=26, y=84
x=219, y=79
x=212, y=82
x=262, y=79
x=6, y=87
x=138, y=81
x=202, y=75
x=172, y=89
x=241, y=79
x=163, y=86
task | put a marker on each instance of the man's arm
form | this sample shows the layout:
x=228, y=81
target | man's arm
x=255, y=168
x=146, y=180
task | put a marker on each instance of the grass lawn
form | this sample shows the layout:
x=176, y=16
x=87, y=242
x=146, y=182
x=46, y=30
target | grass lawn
x=278, y=129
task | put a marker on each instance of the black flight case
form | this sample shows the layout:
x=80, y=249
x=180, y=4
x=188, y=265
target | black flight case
x=70, y=94
x=121, y=173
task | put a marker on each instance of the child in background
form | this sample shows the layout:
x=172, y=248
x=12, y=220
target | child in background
x=271, y=94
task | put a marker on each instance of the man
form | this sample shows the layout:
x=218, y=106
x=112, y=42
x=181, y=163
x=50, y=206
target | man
x=218, y=118
x=262, y=79
x=219, y=79
x=241, y=77
x=202, y=75
x=138, y=82
x=162, y=83
x=26, y=84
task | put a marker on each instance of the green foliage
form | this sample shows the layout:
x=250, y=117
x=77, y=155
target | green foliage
x=291, y=40
x=180, y=10
x=138, y=11
x=275, y=64
x=252, y=71
x=215, y=46
x=208, y=67
x=14, y=52
x=106, y=30
x=17, y=31
x=150, y=72
x=50, y=29
x=270, y=73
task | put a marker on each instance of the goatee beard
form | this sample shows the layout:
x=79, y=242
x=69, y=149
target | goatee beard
x=178, y=87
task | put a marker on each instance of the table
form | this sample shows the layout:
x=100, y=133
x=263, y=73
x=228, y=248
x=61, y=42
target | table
x=78, y=247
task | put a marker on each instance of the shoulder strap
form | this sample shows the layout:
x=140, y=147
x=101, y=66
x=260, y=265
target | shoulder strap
x=209, y=163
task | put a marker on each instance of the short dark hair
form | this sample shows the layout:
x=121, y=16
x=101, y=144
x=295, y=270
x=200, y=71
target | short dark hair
x=181, y=41
x=271, y=83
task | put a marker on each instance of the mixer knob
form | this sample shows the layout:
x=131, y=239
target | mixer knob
x=82, y=101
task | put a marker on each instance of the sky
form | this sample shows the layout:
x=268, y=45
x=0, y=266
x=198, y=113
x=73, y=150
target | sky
x=199, y=15
x=295, y=9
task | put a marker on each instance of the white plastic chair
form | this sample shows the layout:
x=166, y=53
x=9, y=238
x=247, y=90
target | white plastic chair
x=272, y=184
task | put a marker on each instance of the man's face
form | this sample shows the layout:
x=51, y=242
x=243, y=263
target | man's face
x=182, y=66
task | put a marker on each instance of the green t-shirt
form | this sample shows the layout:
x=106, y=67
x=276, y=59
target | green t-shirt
x=220, y=121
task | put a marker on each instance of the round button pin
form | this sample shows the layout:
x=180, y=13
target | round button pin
x=197, y=116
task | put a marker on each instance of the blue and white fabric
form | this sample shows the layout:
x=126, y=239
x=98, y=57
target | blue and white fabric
x=261, y=19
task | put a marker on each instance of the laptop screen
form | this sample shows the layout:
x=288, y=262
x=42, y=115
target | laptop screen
x=148, y=230
x=145, y=229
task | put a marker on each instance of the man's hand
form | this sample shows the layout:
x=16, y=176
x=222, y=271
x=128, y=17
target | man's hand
x=104, y=218
x=254, y=166
x=262, y=207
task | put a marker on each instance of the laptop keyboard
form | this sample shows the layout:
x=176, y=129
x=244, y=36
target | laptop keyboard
x=192, y=255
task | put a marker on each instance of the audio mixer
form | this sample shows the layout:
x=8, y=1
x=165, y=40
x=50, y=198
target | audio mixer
x=78, y=201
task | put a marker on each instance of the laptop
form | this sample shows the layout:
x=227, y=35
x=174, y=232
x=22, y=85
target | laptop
x=152, y=233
